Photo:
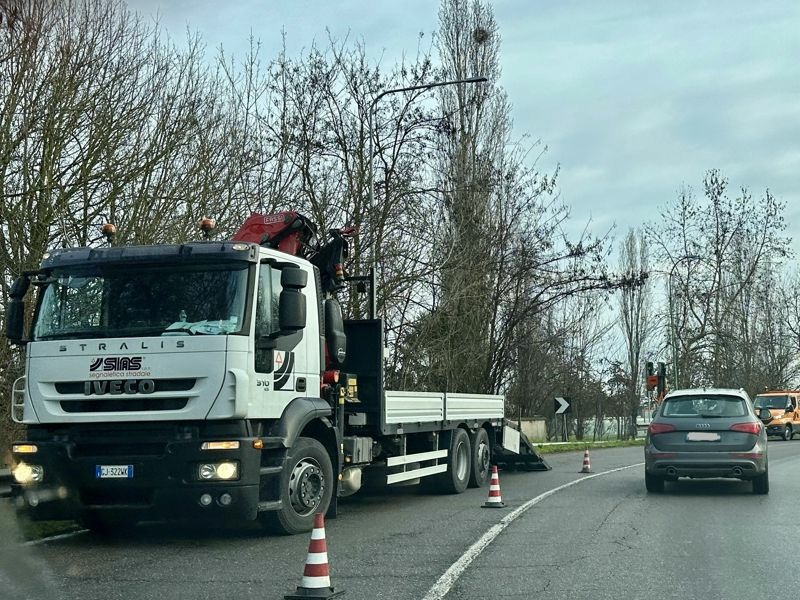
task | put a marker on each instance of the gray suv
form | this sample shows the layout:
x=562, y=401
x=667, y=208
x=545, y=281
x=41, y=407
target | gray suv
x=706, y=433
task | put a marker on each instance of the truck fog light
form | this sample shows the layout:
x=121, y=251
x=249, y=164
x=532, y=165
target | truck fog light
x=25, y=473
x=205, y=499
x=24, y=448
x=225, y=499
x=207, y=471
x=224, y=445
x=227, y=470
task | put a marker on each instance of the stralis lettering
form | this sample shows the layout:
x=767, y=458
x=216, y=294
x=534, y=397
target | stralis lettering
x=106, y=347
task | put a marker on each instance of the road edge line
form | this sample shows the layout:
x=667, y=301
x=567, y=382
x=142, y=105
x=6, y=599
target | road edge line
x=445, y=583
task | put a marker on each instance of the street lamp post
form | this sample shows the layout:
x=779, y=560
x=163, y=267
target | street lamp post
x=672, y=325
x=370, y=173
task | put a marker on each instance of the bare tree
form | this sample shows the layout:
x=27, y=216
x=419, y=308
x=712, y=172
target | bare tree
x=634, y=310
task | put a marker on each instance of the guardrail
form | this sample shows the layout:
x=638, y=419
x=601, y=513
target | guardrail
x=5, y=483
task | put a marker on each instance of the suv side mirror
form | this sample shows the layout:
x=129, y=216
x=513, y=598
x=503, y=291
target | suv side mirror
x=15, y=318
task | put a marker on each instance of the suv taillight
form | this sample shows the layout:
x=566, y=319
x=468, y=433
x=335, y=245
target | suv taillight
x=753, y=428
x=660, y=428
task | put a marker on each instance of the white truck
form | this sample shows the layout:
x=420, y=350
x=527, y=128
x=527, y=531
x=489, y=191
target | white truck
x=218, y=379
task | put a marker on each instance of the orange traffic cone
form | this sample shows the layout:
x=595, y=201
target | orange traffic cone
x=495, y=500
x=587, y=465
x=316, y=577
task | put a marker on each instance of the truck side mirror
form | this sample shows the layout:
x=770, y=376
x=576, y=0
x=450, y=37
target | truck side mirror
x=291, y=311
x=292, y=302
x=15, y=317
x=15, y=321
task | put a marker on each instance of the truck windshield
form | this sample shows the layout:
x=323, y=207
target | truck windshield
x=771, y=402
x=126, y=301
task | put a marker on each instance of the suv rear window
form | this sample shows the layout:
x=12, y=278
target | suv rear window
x=712, y=405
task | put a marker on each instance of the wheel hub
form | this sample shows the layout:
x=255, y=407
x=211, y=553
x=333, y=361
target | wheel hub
x=462, y=461
x=306, y=486
x=483, y=457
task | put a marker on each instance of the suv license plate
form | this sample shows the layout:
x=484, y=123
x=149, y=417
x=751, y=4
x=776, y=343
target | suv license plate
x=113, y=472
x=702, y=436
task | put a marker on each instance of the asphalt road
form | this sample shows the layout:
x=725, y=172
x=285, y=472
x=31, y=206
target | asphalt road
x=602, y=538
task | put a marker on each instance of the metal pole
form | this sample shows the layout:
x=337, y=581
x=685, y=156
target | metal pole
x=672, y=326
x=370, y=159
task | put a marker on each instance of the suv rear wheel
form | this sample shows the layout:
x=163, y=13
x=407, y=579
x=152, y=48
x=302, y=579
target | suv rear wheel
x=653, y=483
x=761, y=483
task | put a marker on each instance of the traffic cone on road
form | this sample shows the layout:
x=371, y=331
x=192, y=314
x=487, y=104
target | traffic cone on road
x=316, y=576
x=587, y=465
x=495, y=500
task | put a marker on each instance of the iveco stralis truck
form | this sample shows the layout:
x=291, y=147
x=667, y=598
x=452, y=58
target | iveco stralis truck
x=219, y=379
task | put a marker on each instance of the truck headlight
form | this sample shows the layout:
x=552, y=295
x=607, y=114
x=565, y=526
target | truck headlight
x=25, y=473
x=224, y=471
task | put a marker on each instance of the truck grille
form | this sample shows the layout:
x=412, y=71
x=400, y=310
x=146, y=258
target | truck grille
x=123, y=496
x=111, y=449
x=161, y=385
x=123, y=405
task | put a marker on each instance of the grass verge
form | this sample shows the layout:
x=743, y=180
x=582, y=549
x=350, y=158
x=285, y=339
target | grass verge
x=35, y=530
x=572, y=446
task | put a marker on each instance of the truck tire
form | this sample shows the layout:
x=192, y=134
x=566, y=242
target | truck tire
x=481, y=459
x=787, y=433
x=459, y=461
x=306, y=488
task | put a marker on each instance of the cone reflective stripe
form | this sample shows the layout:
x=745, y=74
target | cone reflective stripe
x=587, y=466
x=495, y=500
x=316, y=581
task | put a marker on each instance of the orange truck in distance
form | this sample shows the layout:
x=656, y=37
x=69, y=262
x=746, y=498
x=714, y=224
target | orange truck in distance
x=779, y=410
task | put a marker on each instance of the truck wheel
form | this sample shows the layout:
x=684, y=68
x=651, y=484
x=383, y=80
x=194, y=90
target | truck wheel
x=481, y=458
x=459, y=460
x=787, y=433
x=306, y=488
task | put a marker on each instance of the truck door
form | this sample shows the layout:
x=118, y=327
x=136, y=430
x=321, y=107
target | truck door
x=284, y=368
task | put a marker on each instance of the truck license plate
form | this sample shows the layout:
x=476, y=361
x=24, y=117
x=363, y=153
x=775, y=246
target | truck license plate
x=113, y=471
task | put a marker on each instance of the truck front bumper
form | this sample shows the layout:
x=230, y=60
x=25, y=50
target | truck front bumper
x=162, y=480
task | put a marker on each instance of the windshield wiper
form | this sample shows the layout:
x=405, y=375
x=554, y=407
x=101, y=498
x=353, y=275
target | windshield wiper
x=180, y=330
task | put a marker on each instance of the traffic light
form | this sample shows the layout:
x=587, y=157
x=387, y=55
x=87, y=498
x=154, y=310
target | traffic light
x=651, y=379
x=648, y=367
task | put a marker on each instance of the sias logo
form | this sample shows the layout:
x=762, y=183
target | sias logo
x=116, y=363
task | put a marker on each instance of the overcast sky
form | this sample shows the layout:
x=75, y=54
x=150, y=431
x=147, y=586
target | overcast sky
x=632, y=98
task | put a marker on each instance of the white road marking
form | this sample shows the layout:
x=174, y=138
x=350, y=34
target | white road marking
x=442, y=587
x=55, y=538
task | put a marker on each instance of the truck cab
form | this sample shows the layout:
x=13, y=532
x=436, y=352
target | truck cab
x=779, y=410
x=153, y=374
